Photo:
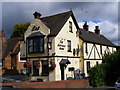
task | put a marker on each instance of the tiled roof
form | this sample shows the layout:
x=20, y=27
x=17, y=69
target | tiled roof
x=56, y=22
x=92, y=37
x=17, y=50
x=8, y=46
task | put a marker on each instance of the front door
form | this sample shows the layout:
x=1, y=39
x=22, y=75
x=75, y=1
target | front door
x=62, y=71
x=62, y=74
x=35, y=68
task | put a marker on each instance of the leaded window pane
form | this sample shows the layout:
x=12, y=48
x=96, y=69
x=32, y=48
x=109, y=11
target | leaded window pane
x=36, y=45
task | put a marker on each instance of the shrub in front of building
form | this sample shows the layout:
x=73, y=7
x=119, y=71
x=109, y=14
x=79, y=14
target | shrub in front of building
x=97, y=75
x=107, y=72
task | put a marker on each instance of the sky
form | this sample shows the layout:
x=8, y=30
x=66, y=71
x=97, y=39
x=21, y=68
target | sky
x=103, y=14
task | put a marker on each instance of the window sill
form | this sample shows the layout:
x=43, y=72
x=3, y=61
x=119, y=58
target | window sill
x=22, y=61
x=34, y=52
x=71, y=31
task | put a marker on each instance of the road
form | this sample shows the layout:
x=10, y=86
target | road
x=107, y=88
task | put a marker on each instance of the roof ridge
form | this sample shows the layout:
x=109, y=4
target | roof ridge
x=89, y=31
x=57, y=14
x=13, y=38
x=94, y=38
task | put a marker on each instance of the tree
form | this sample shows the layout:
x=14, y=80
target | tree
x=19, y=29
x=112, y=66
x=107, y=72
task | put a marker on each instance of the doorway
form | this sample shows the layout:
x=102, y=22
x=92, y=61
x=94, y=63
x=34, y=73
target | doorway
x=62, y=71
x=35, y=68
x=63, y=64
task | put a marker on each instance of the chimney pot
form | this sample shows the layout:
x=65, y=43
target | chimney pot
x=97, y=30
x=3, y=35
x=85, y=26
x=37, y=15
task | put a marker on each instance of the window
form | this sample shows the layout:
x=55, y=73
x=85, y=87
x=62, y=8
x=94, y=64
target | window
x=100, y=49
x=70, y=26
x=23, y=59
x=86, y=49
x=30, y=45
x=36, y=45
x=45, y=68
x=88, y=66
x=97, y=63
x=69, y=45
x=36, y=68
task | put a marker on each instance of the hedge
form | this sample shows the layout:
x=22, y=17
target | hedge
x=107, y=72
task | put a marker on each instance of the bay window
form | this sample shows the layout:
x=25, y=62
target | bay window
x=36, y=45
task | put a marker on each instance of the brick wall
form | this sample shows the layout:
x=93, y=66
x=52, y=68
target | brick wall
x=19, y=65
x=8, y=64
x=79, y=83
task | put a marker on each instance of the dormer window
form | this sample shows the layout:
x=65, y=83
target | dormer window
x=70, y=26
x=36, y=45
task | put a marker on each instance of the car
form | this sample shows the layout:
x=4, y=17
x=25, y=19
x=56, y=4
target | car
x=117, y=83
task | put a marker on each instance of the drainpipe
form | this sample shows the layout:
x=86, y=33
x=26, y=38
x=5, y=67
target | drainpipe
x=48, y=54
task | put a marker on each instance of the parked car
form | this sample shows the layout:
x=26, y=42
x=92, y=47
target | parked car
x=117, y=83
x=7, y=80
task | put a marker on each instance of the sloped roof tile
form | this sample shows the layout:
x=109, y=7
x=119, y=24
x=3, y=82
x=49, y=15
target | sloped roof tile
x=8, y=46
x=92, y=37
x=56, y=22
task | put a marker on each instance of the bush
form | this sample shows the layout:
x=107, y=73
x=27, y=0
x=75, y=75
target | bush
x=107, y=72
x=97, y=75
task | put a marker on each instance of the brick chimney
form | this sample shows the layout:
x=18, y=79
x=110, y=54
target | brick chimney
x=2, y=35
x=37, y=15
x=97, y=30
x=85, y=26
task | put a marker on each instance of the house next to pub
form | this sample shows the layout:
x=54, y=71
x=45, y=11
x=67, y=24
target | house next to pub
x=55, y=48
x=10, y=55
x=93, y=47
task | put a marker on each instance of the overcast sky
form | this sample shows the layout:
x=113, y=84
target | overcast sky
x=104, y=14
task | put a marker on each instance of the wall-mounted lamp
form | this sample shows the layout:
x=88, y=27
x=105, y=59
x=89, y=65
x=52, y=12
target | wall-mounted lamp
x=49, y=44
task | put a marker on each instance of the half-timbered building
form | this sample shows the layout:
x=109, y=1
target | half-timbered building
x=93, y=47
